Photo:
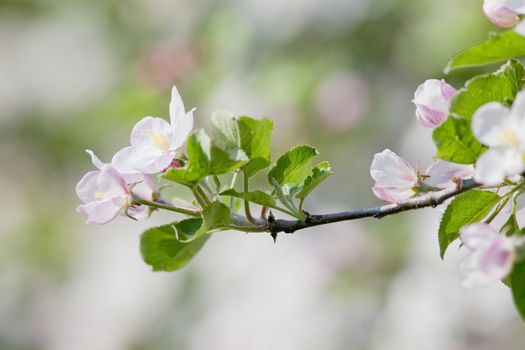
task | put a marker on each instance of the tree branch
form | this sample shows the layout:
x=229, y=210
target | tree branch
x=431, y=199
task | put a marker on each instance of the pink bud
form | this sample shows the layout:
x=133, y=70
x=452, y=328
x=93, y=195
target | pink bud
x=432, y=100
x=394, y=177
x=499, y=13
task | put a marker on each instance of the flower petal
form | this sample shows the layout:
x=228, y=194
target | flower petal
x=442, y=173
x=392, y=194
x=496, y=260
x=516, y=5
x=87, y=187
x=148, y=129
x=499, y=13
x=477, y=236
x=181, y=130
x=520, y=28
x=146, y=159
x=177, y=110
x=488, y=123
x=95, y=160
x=100, y=212
x=111, y=184
x=493, y=166
x=471, y=273
x=390, y=170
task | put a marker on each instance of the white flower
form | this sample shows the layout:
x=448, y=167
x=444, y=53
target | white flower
x=432, y=100
x=492, y=257
x=500, y=13
x=503, y=130
x=154, y=141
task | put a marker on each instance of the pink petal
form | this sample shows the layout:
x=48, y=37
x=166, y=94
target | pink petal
x=392, y=195
x=146, y=159
x=499, y=13
x=111, y=184
x=432, y=99
x=496, y=260
x=442, y=173
x=390, y=170
x=478, y=235
x=100, y=212
x=87, y=187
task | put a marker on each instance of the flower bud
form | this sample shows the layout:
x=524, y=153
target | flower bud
x=499, y=13
x=432, y=100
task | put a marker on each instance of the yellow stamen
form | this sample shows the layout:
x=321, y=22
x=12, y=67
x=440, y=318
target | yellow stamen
x=509, y=138
x=99, y=194
x=158, y=140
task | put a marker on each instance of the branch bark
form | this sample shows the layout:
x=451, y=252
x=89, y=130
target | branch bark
x=431, y=199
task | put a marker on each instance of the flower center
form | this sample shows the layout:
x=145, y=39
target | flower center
x=159, y=140
x=99, y=194
x=509, y=138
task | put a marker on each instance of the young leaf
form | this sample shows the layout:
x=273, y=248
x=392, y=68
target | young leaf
x=456, y=143
x=256, y=139
x=319, y=173
x=162, y=250
x=501, y=86
x=283, y=193
x=499, y=47
x=198, y=166
x=466, y=208
x=293, y=167
x=257, y=197
x=517, y=283
x=225, y=130
x=225, y=161
x=215, y=217
x=454, y=139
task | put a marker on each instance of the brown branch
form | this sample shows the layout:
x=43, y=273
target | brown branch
x=431, y=199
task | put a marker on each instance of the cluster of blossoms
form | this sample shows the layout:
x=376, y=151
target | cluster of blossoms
x=502, y=130
x=505, y=13
x=110, y=190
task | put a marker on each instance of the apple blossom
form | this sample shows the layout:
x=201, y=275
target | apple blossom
x=500, y=13
x=432, y=100
x=394, y=177
x=396, y=180
x=492, y=257
x=443, y=174
x=503, y=130
x=518, y=6
x=106, y=192
x=154, y=141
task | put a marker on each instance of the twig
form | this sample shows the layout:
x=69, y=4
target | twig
x=431, y=199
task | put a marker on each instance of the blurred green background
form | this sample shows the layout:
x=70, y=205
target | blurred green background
x=337, y=74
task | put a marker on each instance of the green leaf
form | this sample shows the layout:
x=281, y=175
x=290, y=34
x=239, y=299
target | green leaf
x=454, y=139
x=517, y=282
x=225, y=130
x=225, y=161
x=456, y=143
x=162, y=250
x=198, y=166
x=465, y=209
x=501, y=86
x=293, y=167
x=257, y=197
x=319, y=173
x=256, y=140
x=499, y=47
x=283, y=193
x=215, y=217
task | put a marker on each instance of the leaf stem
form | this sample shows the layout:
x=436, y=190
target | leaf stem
x=187, y=211
x=247, y=202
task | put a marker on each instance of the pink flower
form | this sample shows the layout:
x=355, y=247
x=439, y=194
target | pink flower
x=396, y=180
x=394, y=177
x=443, y=174
x=154, y=141
x=500, y=13
x=432, y=100
x=492, y=257
x=503, y=130
x=106, y=192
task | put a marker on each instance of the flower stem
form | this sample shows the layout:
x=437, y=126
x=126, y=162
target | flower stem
x=187, y=211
